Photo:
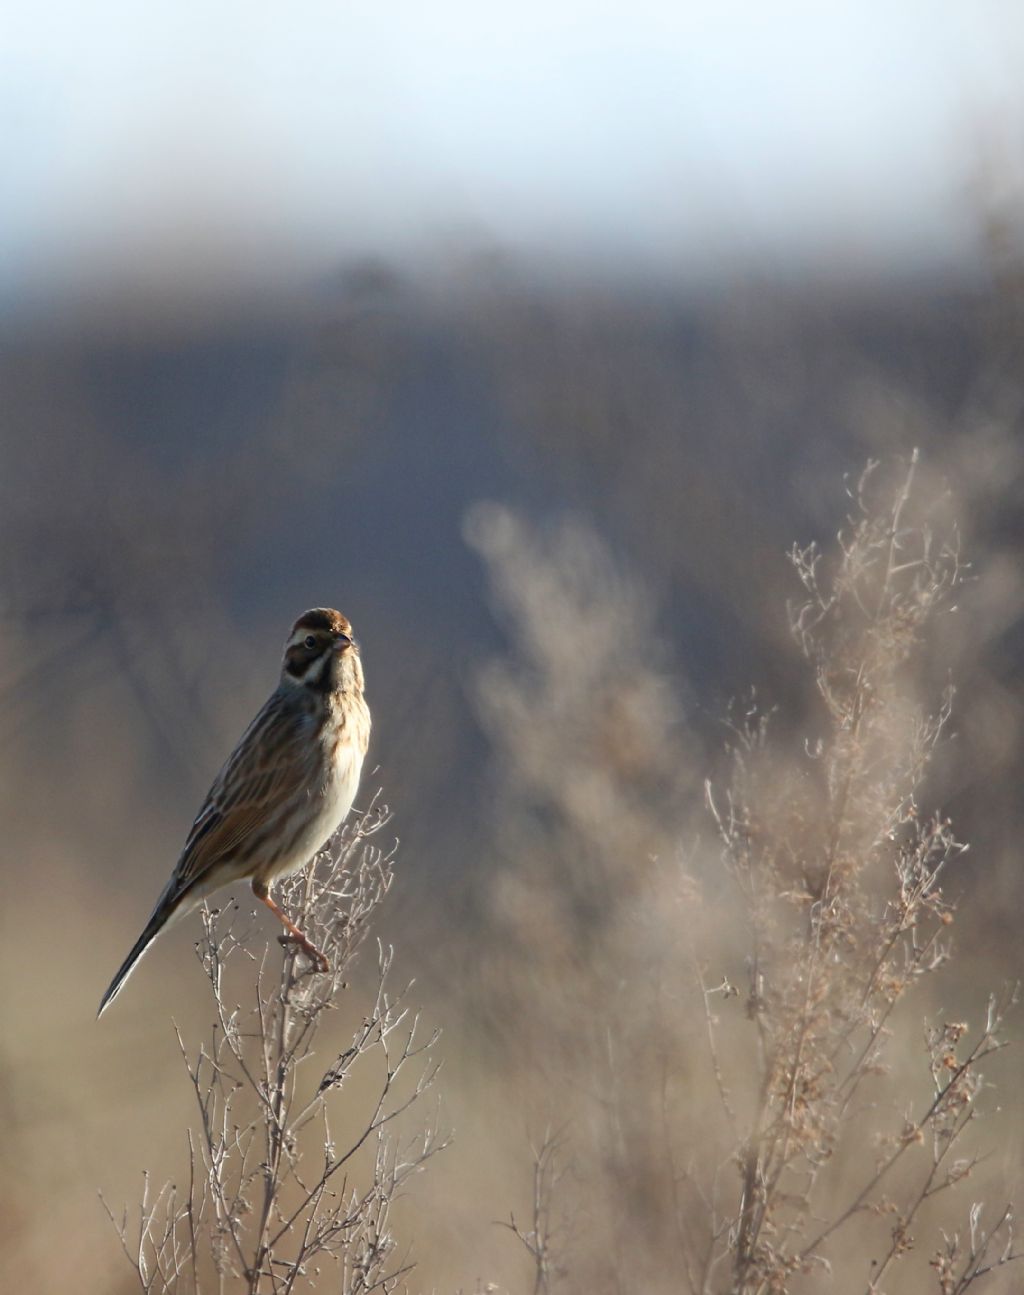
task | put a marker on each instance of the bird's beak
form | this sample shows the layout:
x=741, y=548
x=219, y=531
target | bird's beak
x=343, y=642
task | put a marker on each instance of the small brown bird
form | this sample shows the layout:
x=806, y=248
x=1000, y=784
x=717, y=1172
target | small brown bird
x=285, y=789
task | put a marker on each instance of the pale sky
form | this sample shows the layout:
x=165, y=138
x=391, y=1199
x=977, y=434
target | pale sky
x=145, y=143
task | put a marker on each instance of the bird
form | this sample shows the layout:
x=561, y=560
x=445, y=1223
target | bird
x=285, y=789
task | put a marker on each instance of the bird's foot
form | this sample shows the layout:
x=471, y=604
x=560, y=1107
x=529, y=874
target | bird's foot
x=318, y=959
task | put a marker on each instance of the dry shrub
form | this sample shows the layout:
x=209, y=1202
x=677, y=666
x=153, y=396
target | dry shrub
x=293, y=1165
x=838, y=871
x=590, y=784
x=731, y=1038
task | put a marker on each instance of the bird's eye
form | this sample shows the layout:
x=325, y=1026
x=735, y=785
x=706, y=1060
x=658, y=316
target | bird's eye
x=310, y=641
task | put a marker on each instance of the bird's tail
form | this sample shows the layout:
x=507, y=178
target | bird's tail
x=168, y=908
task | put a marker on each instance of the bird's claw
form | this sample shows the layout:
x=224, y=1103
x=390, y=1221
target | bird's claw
x=317, y=958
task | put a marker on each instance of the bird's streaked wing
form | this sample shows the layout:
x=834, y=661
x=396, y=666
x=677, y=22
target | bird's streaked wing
x=273, y=765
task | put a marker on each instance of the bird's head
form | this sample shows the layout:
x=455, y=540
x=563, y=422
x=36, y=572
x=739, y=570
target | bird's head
x=321, y=653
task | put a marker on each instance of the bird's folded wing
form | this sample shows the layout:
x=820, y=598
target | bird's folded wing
x=249, y=794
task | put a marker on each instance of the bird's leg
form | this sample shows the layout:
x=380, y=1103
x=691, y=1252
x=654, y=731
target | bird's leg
x=294, y=936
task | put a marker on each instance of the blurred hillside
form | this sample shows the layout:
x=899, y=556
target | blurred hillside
x=174, y=491
x=170, y=490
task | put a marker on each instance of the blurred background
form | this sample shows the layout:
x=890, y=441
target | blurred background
x=514, y=332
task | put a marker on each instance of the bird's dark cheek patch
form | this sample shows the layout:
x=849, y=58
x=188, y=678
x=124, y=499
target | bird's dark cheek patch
x=298, y=662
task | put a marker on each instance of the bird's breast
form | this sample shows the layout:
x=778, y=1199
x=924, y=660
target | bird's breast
x=323, y=809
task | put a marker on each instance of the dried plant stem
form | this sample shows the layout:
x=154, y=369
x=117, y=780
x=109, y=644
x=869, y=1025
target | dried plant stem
x=260, y=1100
x=841, y=847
